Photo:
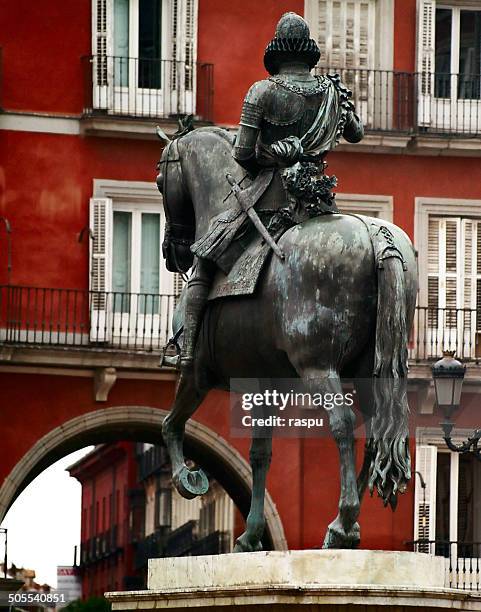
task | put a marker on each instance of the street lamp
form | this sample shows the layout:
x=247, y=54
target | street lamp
x=448, y=375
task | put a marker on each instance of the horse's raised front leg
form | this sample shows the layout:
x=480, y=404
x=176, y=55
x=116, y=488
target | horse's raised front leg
x=189, y=483
x=260, y=459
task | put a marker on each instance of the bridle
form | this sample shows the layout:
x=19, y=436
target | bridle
x=176, y=234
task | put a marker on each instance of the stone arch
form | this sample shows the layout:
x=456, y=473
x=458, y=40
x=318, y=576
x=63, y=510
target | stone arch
x=142, y=423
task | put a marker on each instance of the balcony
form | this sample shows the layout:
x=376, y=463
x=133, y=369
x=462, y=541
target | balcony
x=104, y=321
x=417, y=106
x=150, y=547
x=105, y=334
x=462, y=565
x=100, y=547
x=152, y=461
x=439, y=329
x=111, y=328
x=178, y=543
x=128, y=94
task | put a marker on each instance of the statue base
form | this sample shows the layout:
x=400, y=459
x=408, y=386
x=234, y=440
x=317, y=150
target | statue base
x=304, y=580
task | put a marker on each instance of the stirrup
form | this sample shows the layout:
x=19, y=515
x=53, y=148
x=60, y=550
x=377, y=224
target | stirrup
x=171, y=361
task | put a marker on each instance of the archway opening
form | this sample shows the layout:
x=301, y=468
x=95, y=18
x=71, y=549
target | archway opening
x=223, y=463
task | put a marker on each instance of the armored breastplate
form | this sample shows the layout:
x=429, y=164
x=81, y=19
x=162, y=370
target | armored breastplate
x=290, y=108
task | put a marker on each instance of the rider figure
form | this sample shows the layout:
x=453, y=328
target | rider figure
x=288, y=119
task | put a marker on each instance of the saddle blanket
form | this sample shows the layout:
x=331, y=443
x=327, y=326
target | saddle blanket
x=244, y=274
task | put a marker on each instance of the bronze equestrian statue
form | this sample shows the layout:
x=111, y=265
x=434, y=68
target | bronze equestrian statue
x=299, y=289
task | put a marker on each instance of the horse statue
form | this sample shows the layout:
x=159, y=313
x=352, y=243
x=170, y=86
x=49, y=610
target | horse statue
x=334, y=300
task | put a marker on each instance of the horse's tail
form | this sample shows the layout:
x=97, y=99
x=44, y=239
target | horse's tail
x=390, y=468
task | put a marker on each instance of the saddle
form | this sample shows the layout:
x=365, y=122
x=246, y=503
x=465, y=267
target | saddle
x=281, y=197
x=229, y=232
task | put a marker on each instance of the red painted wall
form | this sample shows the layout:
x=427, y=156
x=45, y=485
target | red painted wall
x=233, y=37
x=47, y=183
x=42, y=43
x=405, y=35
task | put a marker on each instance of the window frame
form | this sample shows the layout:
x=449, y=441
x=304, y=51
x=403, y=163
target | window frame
x=436, y=207
x=136, y=197
x=427, y=436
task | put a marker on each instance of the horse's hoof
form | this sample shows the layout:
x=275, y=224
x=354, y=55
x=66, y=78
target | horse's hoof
x=190, y=483
x=243, y=545
x=336, y=537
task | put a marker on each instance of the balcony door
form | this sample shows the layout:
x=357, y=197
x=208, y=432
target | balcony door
x=144, y=57
x=136, y=265
x=345, y=32
x=132, y=293
x=448, y=510
x=453, y=317
x=450, y=67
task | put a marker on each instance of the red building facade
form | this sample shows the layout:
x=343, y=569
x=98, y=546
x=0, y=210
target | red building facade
x=131, y=513
x=108, y=477
x=85, y=299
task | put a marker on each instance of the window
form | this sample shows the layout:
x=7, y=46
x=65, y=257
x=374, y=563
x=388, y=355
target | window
x=447, y=236
x=449, y=509
x=457, y=52
x=355, y=38
x=449, y=63
x=344, y=30
x=454, y=282
x=132, y=293
x=144, y=55
x=136, y=259
x=163, y=504
x=207, y=518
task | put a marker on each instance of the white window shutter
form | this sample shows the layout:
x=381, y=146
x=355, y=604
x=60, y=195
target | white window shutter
x=478, y=276
x=102, y=37
x=425, y=499
x=345, y=32
x=101, y=219
x=426, y=14
x=184, y=53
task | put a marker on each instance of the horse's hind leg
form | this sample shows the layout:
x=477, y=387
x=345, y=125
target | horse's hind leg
x=260, y=458
x=343, y=532
x=364, y=391
x=188, y=398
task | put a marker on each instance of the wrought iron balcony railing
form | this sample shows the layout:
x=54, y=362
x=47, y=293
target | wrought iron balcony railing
x=77, y=318
x=100, y=546
x=152, y=461
x=463, y=561
x=415, y=103
x=142, y=322
x=439, y=329
x=148, y=88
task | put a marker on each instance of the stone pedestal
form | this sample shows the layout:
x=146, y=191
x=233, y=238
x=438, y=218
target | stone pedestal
x=307, y=580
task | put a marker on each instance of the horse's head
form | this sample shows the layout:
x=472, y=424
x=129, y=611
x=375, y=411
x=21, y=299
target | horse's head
x=179, y=213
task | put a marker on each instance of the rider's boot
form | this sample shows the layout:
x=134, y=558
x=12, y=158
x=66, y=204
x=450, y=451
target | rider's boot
x=194, y=309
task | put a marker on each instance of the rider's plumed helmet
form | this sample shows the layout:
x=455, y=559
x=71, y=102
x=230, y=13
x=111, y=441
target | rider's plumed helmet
x=291, y=43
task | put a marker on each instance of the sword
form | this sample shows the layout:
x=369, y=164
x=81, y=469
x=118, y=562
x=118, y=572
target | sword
x=248, y=208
